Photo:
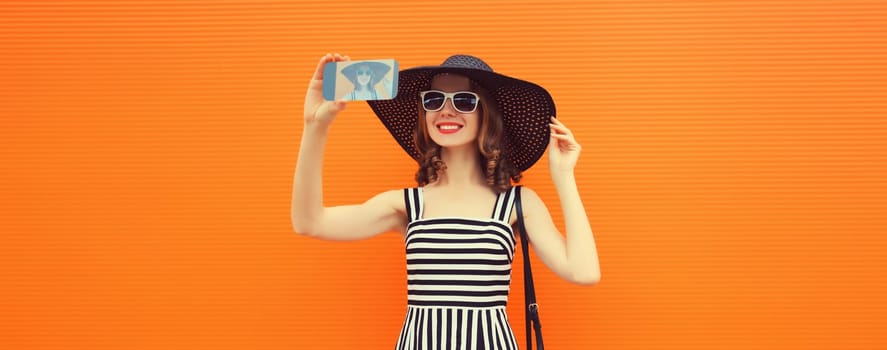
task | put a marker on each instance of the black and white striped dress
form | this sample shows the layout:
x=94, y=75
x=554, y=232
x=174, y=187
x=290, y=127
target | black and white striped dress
x=458, y=277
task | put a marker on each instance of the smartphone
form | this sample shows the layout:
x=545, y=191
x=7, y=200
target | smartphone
x=360, y=80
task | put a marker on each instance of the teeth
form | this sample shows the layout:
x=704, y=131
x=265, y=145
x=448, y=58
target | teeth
x=448, y=127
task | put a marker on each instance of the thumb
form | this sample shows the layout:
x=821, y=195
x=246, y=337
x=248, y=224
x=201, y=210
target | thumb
x=330, y=109
x=334, y=107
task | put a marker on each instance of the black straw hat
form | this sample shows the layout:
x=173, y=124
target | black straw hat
x=379, y=70
x=526, y=107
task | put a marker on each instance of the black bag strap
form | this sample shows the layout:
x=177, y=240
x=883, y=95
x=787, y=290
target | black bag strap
x=532, y=309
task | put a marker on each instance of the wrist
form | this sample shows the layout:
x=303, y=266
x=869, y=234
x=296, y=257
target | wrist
x=563, y=177
x=316, y=126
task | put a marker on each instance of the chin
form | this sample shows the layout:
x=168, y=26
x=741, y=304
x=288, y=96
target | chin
x=451, y=143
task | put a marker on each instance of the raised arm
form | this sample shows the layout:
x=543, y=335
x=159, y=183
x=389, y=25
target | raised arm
x=382, y=213
x=574, y=258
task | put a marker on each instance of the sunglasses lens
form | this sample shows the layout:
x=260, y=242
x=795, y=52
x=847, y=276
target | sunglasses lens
x=433, y=101
x=465, y=102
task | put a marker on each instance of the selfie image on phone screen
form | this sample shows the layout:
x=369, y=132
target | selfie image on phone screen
x=360, y=80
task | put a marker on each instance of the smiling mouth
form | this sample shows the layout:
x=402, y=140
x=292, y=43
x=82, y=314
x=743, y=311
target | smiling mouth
x=449, y=127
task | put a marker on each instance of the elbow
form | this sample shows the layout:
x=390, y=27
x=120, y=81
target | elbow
x=303, y=227
x=587, y=278
x=305, y=221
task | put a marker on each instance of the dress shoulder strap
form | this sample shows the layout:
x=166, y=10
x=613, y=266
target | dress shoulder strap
x=504, y=205
x=412, y=198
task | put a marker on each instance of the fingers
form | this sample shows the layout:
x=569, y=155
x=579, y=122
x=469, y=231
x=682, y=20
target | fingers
x=318, y=72
x=561, y=136
x=553, y=145
x=342, y=57
x=564, y=141
x=329, y=57
x=328, y=110
x=337, y=106
x=558, y=128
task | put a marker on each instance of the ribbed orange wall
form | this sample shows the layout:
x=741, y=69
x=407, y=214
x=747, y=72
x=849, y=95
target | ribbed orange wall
x=733, y=170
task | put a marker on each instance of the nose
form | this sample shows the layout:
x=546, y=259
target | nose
x=448, y=108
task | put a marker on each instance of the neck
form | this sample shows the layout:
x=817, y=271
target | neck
x=462, y=167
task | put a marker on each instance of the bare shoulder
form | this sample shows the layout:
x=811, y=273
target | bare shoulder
x=385, y=210
x=528, y=193
x=529, y=197
x=392, y=199
x=530, y=202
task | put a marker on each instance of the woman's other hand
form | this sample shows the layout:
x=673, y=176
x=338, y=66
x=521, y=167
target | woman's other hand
x=318, y=110
x=563, y=150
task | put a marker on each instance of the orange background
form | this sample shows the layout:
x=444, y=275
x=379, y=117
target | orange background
x=733, y=170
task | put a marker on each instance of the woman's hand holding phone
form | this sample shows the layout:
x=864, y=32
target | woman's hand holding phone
x=317, y=110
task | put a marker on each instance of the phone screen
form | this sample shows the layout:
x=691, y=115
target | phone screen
x=360, y=80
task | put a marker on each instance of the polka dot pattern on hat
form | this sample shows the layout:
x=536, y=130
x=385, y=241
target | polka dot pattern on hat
x=526, y=124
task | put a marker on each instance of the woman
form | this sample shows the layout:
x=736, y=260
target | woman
x=473, y=132
x=364, y=76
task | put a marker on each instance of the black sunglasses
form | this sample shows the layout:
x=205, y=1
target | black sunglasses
x=463, y=101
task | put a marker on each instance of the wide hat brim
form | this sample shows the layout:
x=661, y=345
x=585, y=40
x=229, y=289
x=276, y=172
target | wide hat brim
x=379, y=70
x=526, y=108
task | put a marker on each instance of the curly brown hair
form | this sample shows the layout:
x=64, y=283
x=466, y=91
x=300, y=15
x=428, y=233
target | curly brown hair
x=499, y=170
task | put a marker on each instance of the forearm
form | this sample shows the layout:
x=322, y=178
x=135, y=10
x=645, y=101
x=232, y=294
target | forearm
x=307, y=200
x=580, y=246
